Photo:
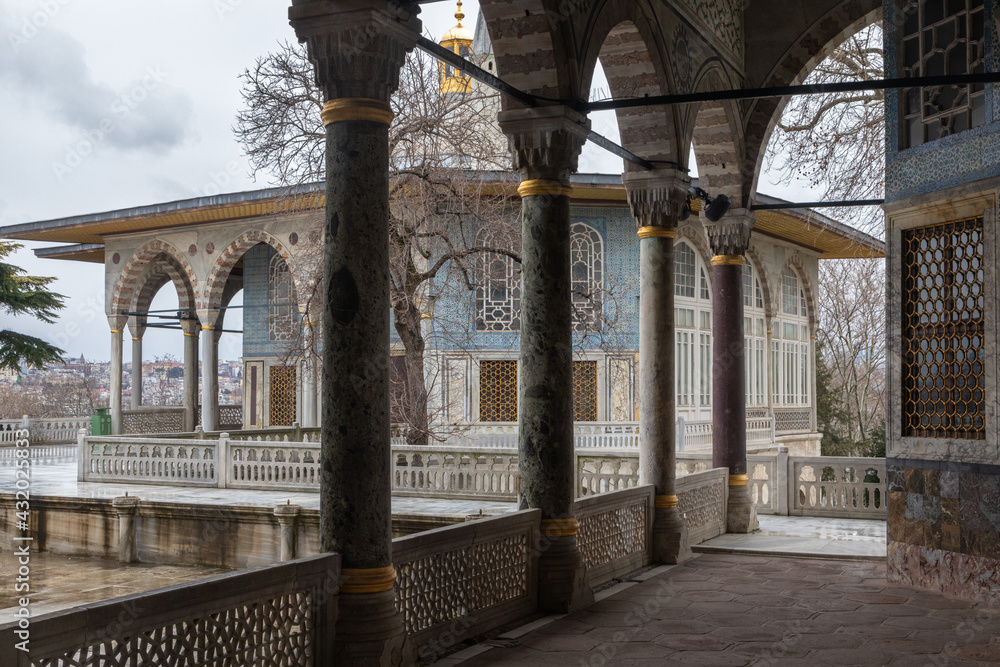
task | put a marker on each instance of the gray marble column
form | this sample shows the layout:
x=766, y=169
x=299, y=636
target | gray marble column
x=137, y=329
x=358, y=55
x=209, y=377
x=115, y=379
x=656, y=198
x=730, y=238
x=545, y=144
x=190, y=328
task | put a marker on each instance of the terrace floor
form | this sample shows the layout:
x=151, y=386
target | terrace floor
x=745, y=609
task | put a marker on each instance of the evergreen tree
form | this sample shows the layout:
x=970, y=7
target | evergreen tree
x=828, y=413
x=22, y=294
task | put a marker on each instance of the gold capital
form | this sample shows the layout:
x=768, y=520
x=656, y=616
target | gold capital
x=543, y=186
x=729, y=260
x=666, y=502
x=367, y=580
x=738, y=480
x=207, y=327
x=560, y=527
x=654, y=232
x=356, y=108
x=114, y=331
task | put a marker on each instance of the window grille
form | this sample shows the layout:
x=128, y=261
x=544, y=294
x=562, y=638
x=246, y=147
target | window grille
x=282, y=391
x=585, y=391
x=943, y=393
x=498, y=292
x=587, y=276
x=280, y=302
x=940, y=38
x=498, y=391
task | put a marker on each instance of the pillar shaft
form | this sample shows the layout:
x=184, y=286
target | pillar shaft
x=729, y=438
x=209, y=378
x=116, y=381
x=656, y=198
x=190, y=397
x=136, y=373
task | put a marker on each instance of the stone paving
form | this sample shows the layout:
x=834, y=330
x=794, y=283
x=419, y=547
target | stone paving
x=732, y=609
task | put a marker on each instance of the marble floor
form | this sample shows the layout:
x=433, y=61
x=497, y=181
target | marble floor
x=806, y=536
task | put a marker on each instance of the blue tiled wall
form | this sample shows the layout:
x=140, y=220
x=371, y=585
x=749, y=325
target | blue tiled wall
x=960, y=158
x=454, y=310
x=255, y=304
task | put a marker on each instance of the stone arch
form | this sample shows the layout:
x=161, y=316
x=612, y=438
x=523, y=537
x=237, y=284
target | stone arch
x=146, y=271
x=530, y=40
x=717, y=139
x=622, y=36
x=795, y=262
x=821, y=38
x=212, y=296
x=753, y=255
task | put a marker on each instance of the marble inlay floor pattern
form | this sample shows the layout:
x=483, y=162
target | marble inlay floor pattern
x=733, y=610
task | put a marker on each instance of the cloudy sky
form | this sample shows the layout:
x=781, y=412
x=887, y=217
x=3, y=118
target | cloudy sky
x=110, y=104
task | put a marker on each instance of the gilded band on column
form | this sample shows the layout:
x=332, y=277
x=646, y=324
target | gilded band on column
x=542, y=186
x=356, y=108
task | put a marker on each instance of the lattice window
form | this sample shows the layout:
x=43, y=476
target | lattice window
x=587, y=271
x=940, y=38
x=282, y=406
x=280, y=302
x=498, y=391
x=498, y=292
x=585, y=391
x=943, y=393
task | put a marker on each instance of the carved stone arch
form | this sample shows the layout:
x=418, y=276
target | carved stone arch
x=212, y=296
x=825, y=33
x=531, y=41
x=765, y=284
x=629, y=42
x=150, y=266
x=695, y=237
x=717, y=137
x=795, y=262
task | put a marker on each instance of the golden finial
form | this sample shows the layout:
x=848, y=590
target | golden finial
x=459, y=14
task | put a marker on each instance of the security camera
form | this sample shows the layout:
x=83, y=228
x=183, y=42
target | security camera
x=715, y=207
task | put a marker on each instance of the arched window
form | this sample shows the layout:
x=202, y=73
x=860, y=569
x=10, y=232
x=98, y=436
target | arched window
x=791, y=345
x=693, y=333
x=587, y=271
x=498, y=290
x=280, y=301
x=754, y=338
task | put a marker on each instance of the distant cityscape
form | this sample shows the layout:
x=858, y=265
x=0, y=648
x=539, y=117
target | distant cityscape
x=77, y=387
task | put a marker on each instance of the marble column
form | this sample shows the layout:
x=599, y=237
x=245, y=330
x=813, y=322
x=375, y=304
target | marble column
x=358, y=54
x=209, y=370
x=190, y=327
x=288, y=516
x=656, y=199
x=545, y=144
x=115, y=379
x=136, y=328
x=730, y=238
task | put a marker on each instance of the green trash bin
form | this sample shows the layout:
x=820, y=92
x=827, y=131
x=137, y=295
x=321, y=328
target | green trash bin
x=101, y=422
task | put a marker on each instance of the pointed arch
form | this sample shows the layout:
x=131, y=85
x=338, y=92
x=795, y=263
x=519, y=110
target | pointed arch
x=149, y=268
x=215, y=285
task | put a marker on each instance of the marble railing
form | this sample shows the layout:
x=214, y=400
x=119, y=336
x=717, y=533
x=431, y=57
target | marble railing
x=793, y=421
x=467, y=579
x=266, y=465
x=274, y=615
x=148, y=461
x=453, y=472
x=614, y=535
x=701, y=501
x=48, y=430
x=837, y=486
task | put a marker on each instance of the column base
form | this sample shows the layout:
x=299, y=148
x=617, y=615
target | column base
x=741, y=514
x=563, y=585
x=370, y=632
x=670, y=537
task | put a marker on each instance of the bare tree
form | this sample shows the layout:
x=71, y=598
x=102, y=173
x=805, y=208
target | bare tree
x=852, y=336
x=836, y=141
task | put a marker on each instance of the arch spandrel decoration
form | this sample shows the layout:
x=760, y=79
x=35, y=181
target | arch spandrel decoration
x=211, y=297
x=147, y=270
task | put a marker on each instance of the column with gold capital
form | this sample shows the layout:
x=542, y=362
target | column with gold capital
x=545, y=144
x=656, y=198
x=358, y=50
x=730, y=238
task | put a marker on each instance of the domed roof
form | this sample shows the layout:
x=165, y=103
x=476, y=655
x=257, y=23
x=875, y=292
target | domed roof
x=459, y=32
